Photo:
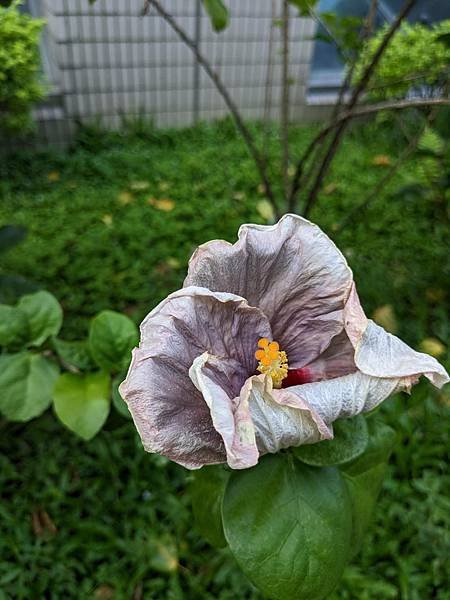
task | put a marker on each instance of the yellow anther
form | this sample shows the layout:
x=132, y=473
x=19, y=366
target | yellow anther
x=260, y=354
x=272, y=361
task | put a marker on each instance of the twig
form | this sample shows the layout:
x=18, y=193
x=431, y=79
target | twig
x=412, y=146
x=296, y=181
x=359, y=88
x=367, y=30
x=316, y=16
x=245, y=132
x=365, y=110
x=344, y=88
x=285, y=100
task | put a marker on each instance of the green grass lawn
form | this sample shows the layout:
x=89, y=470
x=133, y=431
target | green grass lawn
x=112, y=225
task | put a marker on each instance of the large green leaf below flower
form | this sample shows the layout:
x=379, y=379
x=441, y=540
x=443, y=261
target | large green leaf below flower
x=289, y=526
x=350, y=440
x=207, y=490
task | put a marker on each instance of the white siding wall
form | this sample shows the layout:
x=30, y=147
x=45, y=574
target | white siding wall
x=110, y=61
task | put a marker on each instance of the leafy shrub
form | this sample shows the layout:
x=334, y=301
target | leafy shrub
x=20, y=85
x=416, y=55
x=31, y=357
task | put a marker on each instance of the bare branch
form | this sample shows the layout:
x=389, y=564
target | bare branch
x=297, y=179
x=412, y=146
x=365, y=34
x=245, y=132
x=343, y=90
x=359, y=89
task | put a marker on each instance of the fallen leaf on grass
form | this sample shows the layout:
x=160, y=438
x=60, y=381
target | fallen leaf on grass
x=165, y=204
x=125, y=198
x=330, y=188
x=42, y=523
x=385, y=317
x=164, y=557
x=107, y=220
x=265, y=209
x=53, y=176
x=139, y=186
x=432, y=346
x=435, y=295
x=104, y=592
x=173, y=262
x=381, y=160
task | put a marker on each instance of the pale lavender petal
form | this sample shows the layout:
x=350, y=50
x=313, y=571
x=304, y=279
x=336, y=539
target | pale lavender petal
x=230, y=414
x=382, y=354
x=170, y=414
x=349, y=395
x=336, y=361
x=280, y=418
x=292, y=271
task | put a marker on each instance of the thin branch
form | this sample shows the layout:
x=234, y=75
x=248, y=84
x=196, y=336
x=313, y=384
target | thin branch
x=373, y=195
x=365, y=110
x=317, y=18
x=297, y=179
x=285, y=100
x=359, y=89
x=245, y=132
x=370, y=21
x=343, y=90
x=366, y=32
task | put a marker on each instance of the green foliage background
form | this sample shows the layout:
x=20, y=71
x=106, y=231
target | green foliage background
x=417, y=55
x=104, y=519
x=20, y=81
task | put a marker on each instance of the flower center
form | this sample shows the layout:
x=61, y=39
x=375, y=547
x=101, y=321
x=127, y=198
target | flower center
x=272, y=361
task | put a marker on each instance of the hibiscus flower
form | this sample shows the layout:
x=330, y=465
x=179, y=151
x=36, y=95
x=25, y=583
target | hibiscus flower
x=264, y=347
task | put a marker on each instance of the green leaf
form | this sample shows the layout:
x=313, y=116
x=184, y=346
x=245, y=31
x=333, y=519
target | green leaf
x=430, y=142
x=350, y=440
x=119, y=404
x=218, y=14
x=13, y=326
x=364, y=477
x=304, y=6
x=289, y=526
x=26, y=385
x=82, y=402
x=207, y=490
x=11, y=235
x=112, y=336
x=76, y=354
x=381, y=442
x=44, y=316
